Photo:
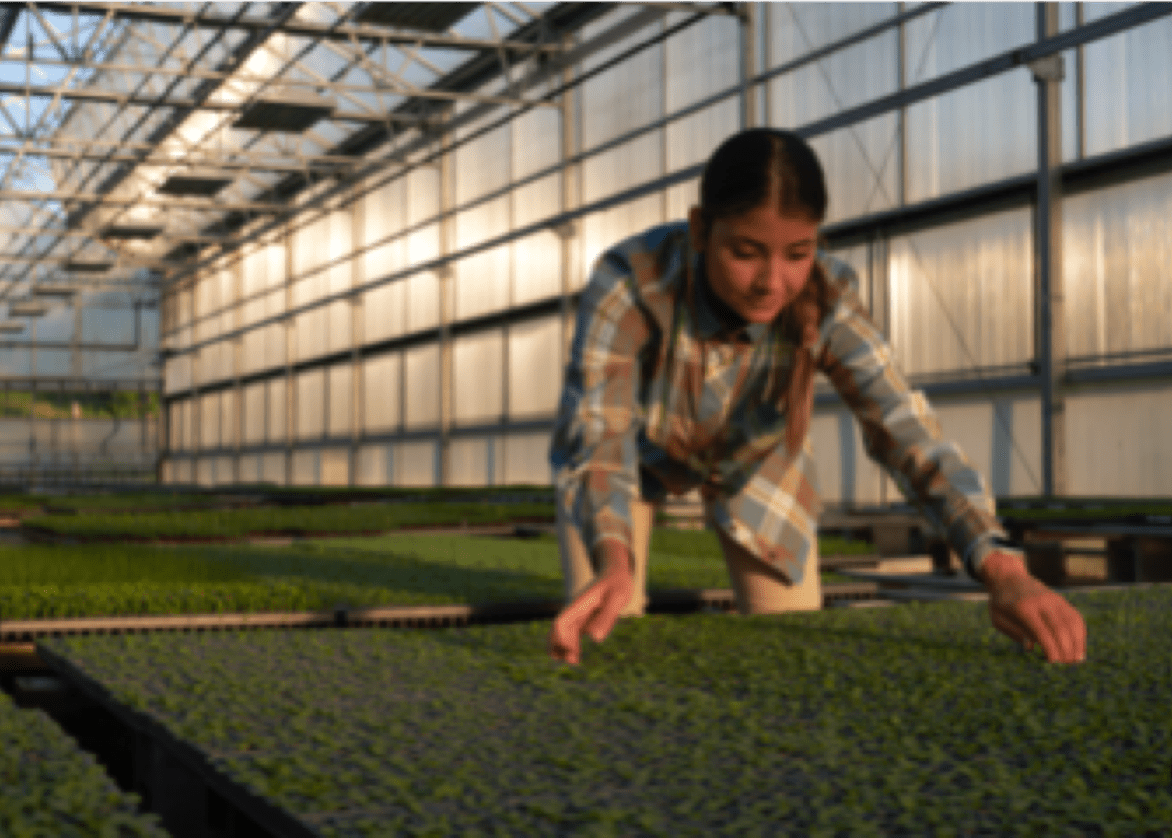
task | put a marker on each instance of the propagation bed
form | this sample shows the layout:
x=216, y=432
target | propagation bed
x=911, y=720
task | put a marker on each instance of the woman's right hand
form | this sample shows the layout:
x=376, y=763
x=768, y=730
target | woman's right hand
x=595, y=610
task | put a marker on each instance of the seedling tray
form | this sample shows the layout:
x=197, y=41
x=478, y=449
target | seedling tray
x=917, y=719
x=50, y=787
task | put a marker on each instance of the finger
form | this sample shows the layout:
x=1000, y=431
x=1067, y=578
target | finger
x=1049, y=631
x=1007, y=625
x=1069, y=627
x=568, y=625
x=563, y=646
x=600, y=623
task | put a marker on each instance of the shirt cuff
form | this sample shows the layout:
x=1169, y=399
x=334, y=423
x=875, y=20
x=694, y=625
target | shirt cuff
x=980, y=549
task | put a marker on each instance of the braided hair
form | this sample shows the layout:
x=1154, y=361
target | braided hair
x=770, y=166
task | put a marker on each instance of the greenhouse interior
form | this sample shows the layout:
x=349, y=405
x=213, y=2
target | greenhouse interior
x=342, y=244
x=291, y=294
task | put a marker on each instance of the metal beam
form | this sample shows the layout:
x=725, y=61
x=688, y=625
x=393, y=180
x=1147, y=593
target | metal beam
x=1051, y=334
x=96, y=198
x=160, y=13
x=86, y=148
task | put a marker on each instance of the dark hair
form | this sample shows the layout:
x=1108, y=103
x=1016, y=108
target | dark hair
x=760, y=165
x=768, y=165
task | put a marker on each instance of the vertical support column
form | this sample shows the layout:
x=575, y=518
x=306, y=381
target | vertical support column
x=357, y=333
x=571, y=190
x=238, y=364
x=749, y=15
x=195, y=432
x=290, y=345
x=1051, y=334
x=901, y=114
x=1080, y=88
x=447, y=187
x=32, y=401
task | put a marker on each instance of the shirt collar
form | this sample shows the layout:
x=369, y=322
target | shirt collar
x=714, y=319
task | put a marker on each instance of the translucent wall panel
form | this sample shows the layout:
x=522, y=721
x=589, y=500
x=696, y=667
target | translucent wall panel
x=209, y=420
x=205, y=471
x=225, y=470
x=537, y=268
x=98, y=325
x=701, y=61
x=305, y=468
x=374, y=466
x=417, y=464
x=177, y=374
x=335, y=467
x=310, y=248
x=182, y=470
x=527, y=459
x=423, y=204
x=482, y=280
x=535, y=368
x=1132, y=450
x=1118, y=249
x=626, y=97
x=423, y=301
x=310, y=403
x=254, y=413
x=277, y=410
x=273, y=468
x=950, y=146
x=537, y=259
x=422, y=391
x=229, y=419
x=275, y=344
x=339, y=325
x=175, y=427
x=339, y=251
x=471, y=462
x=189, y=409
x=340, y=400
x=248, y=468
x=310, y=333
x=861, y=162
x=1128, y=87
x=264, y=268
x=252, y=355
x=477, y=378
x=962, y=295
x=384, y=312
x=383, y=215
x=381, y=388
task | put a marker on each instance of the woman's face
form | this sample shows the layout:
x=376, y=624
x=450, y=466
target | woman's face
x=757, y=262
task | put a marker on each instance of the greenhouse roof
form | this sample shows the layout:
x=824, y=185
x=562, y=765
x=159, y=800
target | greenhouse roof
x=148, y=137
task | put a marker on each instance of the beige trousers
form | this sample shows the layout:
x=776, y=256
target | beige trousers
x=756, y=587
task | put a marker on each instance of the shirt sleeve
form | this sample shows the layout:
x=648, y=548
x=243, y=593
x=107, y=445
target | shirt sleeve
x=902, y=433
x=594, y=450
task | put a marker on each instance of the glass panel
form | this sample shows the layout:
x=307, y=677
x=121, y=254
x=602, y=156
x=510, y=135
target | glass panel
x=422, y=373
x=341, y=387
x=380, y=393
x=962, y=295
x=310, y=404
x=477, y=363
x=535, y=368
x=1118, y=246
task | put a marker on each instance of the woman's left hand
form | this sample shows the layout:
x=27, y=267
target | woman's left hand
x=1030, y=613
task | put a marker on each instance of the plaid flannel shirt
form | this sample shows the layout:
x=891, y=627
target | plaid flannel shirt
x=667, y=389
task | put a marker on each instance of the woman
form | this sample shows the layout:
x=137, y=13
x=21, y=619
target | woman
x=692, y=366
